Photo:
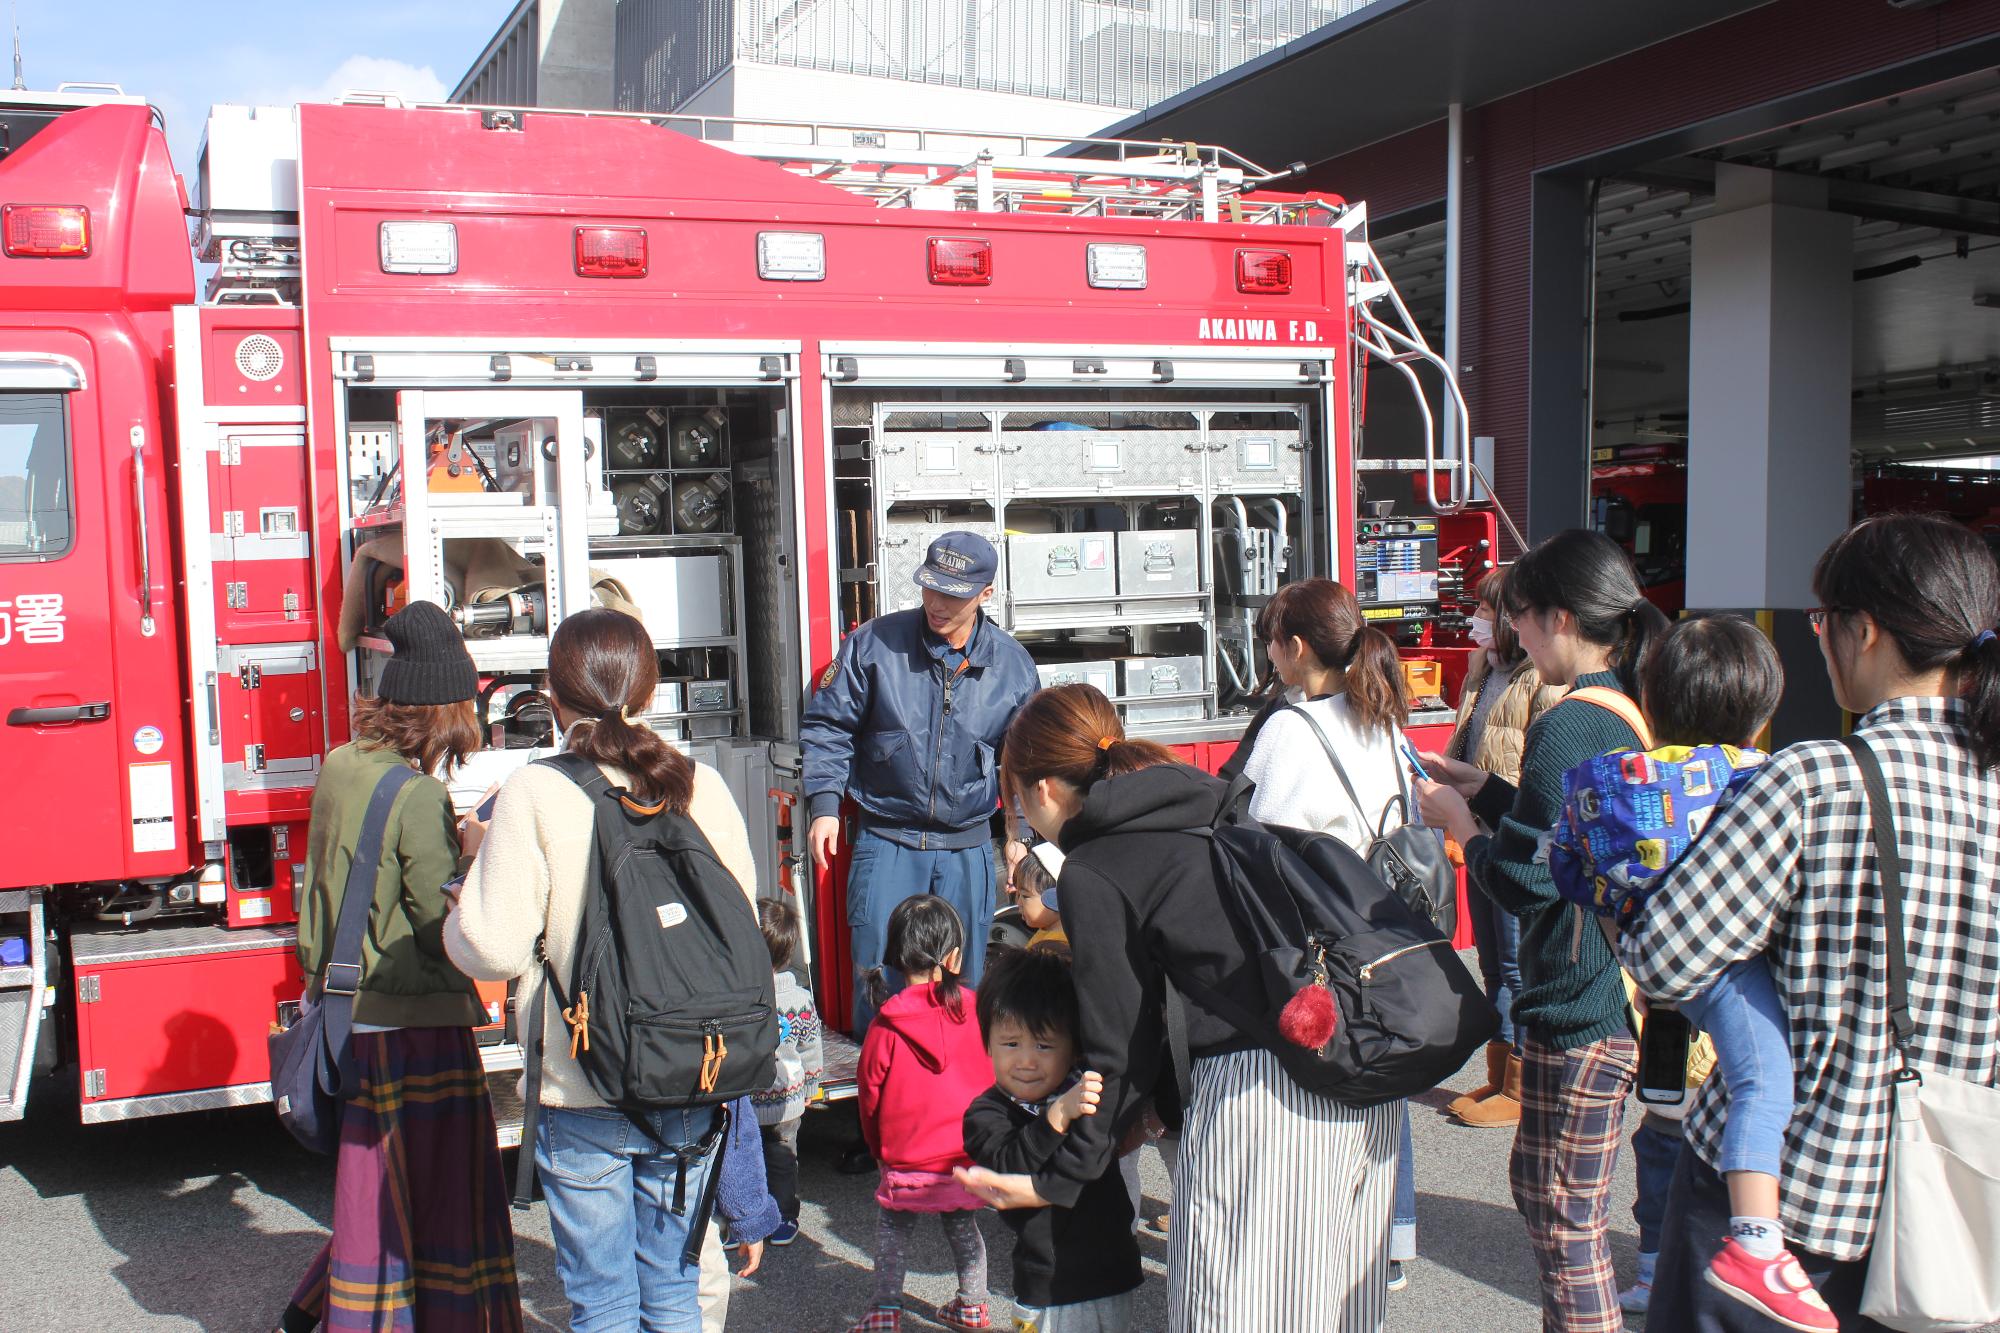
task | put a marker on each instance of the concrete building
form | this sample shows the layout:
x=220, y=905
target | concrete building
x=1764, y=232
x=1041, y=67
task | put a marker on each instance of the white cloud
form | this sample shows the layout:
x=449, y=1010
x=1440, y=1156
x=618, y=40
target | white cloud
x=375, y=74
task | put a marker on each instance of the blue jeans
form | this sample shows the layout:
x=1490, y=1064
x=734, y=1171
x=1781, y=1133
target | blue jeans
x=1496, y=934
x=1654, y=1152
x=619, y=1238
x=881, y=874
x=1403, y=1208
x=1753, y=1054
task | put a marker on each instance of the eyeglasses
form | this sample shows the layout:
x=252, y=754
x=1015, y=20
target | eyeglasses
x=1816, y=616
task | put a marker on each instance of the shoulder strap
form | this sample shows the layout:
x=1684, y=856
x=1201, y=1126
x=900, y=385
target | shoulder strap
x=583, y=772
x=1618, y=703
x=1339, y=769
x=341, y=979
x=1889, y=865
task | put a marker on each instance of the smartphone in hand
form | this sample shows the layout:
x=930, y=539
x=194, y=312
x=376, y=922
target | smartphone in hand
x=484, y=810
x=1663, y=1058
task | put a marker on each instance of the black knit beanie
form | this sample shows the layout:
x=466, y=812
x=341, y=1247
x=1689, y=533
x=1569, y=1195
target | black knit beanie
x=430, y=664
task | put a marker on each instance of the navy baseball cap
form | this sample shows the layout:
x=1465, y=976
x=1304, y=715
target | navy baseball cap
x=960, y=564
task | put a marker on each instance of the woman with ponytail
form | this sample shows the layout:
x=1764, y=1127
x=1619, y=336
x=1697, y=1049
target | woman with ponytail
x=1906, y=625
x=1281, y=1196
x=1330, y=758
x=1575, y=605
x=527, y=886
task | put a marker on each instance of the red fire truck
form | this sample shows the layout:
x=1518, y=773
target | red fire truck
x=730, y=377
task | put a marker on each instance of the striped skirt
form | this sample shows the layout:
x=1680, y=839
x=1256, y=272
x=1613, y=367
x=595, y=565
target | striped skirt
x=422, y=1239
x=1281, y=1205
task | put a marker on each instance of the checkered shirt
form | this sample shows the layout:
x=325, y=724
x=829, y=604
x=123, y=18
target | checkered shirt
x=1788, y=869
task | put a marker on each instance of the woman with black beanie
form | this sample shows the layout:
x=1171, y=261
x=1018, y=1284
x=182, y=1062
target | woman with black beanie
x=421, y=1232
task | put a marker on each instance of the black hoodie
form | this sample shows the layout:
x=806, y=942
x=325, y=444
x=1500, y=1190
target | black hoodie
x=1138, y=892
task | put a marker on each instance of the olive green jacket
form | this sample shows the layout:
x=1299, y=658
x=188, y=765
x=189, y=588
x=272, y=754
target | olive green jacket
x=406, y=980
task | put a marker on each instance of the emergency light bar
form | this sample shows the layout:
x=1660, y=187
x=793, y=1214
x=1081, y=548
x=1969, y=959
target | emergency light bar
x=791, y=256
x=1116, y=266
x=45, y=231
x=611, y=252
x=961, y=261
x=1264, y=272
x=419, y=247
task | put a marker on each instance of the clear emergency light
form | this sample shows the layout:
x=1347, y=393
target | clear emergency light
x=1116, y=266
x=791, y=256
x=611, y=252
x=46, y=231
x=1264, y=271
x=419, y=247
x=961, y=261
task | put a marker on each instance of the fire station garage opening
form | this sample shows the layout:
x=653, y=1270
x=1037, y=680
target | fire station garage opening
x=1731, y=285
x=1790, y=329
x=680, y=488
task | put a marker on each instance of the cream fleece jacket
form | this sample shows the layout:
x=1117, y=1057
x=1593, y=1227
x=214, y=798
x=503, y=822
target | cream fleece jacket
x=529, y=878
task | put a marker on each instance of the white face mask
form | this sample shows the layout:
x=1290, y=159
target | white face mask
x=1481, y=629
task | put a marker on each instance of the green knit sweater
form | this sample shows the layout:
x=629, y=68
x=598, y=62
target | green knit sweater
x=1571, y=993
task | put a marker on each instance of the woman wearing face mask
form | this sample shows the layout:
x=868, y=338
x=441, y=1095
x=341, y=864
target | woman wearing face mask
x=1502, y=696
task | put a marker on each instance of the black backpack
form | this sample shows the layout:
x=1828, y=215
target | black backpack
x=1407, y=1014
x=671, y=1002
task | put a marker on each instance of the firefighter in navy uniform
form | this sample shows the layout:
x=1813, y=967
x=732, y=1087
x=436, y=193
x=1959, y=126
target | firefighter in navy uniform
x=908, y=720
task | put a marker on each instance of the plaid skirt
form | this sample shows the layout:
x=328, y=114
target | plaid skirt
x=422, y=1240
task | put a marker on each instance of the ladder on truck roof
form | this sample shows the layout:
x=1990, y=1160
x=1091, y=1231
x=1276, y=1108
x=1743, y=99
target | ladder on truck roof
x=983, y=171
x=977, y=171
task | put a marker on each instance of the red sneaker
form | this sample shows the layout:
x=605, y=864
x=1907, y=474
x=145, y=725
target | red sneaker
x=958, y=1314
x=1777, y=1287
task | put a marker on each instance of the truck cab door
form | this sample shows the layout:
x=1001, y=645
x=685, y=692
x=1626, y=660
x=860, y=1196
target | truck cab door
x=58, y=744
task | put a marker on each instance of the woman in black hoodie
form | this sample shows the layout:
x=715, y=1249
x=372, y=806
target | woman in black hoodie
x=1281, y=1204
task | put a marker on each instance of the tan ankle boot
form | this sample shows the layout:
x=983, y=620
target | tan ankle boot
x=1496, y=1077
x=1503, y=1108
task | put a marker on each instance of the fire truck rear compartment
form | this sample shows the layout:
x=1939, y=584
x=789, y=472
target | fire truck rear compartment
x=1139, y=531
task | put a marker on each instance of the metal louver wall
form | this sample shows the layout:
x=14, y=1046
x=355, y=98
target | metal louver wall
x=1122, y=53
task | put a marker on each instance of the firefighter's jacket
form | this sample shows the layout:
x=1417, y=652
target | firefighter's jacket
x=912, y=731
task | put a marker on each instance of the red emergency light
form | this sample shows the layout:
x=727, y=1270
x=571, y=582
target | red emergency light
x=1264, y=271
x=611, y=252
x=46, y=231
x=961, y=261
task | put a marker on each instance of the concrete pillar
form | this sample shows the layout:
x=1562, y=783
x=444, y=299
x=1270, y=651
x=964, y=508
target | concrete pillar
x=575, y=67
x=1769, y=369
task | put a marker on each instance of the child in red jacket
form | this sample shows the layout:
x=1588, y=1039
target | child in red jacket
x=921, y=1065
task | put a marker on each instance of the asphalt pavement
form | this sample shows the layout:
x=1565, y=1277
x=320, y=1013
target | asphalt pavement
x=205, y=1221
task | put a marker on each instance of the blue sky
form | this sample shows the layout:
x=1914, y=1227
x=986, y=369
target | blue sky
x=187, y=54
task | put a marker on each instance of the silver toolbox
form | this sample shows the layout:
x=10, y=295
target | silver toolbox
x=1159, y=561
x=1142, y=676
x=1072, y=567
x=934, y=465
x=682, y=597
x=902, y=547
x=1088, y=462
x=1102, y=675
x=1257, y=462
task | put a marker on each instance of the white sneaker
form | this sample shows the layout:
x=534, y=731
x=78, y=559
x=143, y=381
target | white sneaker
x=1637, y=1297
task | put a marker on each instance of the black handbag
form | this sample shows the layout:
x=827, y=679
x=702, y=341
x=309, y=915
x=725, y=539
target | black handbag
x=312, y=1059
x=1410, y=858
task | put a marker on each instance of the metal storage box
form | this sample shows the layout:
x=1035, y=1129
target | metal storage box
x=682, y=598
x=1257, y=462
x=1070, y=567
x=1141, y=676
x=902, y=547
x=1158, y=561
x=1090, y=462
x=1102, y=675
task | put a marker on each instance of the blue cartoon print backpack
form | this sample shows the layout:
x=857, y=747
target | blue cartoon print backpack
x=1628, y=815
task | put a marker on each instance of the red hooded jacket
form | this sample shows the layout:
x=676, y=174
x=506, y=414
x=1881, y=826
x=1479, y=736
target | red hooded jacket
x=920, y=1070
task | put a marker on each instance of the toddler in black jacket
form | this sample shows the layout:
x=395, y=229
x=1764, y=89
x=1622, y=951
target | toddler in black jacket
x=1075, y=1268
